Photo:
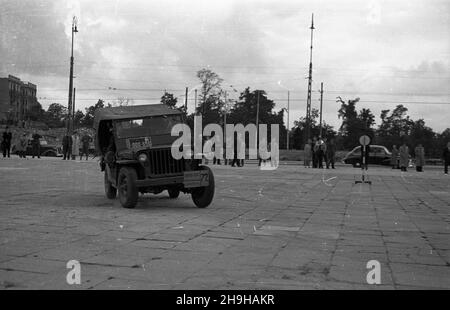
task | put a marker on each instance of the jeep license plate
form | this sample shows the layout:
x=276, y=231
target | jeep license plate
x=196, y=178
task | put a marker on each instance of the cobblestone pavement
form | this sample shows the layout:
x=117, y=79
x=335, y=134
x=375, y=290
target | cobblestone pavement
x=293, y=228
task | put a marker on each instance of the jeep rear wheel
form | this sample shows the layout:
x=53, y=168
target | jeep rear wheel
x=173, y=193
x=128, y=192
x=110, y=191
x=202, y=196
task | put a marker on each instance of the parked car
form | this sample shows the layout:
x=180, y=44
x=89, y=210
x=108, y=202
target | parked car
x=135, y=143
x=378, y=155
x=46, y=149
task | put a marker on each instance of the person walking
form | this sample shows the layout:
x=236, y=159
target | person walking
x=404, y=156
x=85, y=142
x=307, y=154
x=21, y=145
x=36, y=144
x=446, y=156
x=419, y=153
x=331, y=154
x=75, y=145
x=394, y=156
x=7, y=137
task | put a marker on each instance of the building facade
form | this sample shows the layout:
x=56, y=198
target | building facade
x=17, y=99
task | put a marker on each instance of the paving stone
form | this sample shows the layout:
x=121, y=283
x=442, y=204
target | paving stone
x=283, y=230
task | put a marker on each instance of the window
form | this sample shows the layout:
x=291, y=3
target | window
x=156, y=125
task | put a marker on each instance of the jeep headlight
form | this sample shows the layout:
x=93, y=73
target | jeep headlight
x=142, y=157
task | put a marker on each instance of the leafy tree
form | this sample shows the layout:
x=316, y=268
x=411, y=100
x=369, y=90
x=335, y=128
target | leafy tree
x=169, y=100
x=36, y=113
x=354, y=124
x=210, y=96
x=245, y=110
x=394, y=126
x=298, y=131
x=55, y=115
x=78, y=118
x=88, y=119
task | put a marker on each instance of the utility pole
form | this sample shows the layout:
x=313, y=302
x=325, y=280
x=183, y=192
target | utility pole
x=308, y=100
x=321, y=102
x=257, y=115
x=69, y=107
x=73, y=109
x=287, y=131
x=195, y=102
x=186, y=100
x=225, y=112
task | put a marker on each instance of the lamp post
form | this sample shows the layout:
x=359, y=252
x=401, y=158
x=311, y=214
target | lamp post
x=287, y=112
x=287, y=127
x=70, y=108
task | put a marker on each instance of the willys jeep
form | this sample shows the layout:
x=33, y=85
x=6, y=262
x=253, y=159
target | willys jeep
x=135, y=147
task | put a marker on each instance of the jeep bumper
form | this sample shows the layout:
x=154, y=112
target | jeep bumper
x=189, y=179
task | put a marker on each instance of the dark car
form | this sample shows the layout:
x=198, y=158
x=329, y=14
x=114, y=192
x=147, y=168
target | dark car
x=378, y=155
x=135, y=144
x=46, y=149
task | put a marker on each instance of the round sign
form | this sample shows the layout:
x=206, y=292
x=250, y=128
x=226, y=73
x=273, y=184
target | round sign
x=364, y=140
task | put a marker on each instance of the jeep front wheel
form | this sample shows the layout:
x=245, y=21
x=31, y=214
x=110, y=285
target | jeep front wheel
x=128, y=192
x=202, y=196
x=110, y=190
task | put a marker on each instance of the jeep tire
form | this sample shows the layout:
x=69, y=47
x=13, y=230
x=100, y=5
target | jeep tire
x=126, y=185
x=202, y=196
x=110, y=191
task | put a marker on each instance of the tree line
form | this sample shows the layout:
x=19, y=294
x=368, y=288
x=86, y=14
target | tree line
x=214, y=102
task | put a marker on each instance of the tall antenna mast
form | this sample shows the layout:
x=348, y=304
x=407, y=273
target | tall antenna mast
x=308, y=100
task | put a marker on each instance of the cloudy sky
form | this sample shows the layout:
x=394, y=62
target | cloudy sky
x=385, y=52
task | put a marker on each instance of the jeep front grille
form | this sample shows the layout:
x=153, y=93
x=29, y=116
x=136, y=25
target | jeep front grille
x=162, y=163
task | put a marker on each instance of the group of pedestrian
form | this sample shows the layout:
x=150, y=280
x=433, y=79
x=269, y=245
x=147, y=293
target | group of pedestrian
x=320, y=151
x=22, y=144
x=71, y=146
x=400, y=157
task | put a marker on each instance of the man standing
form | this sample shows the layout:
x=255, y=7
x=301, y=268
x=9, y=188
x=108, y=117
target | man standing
x=67, y=146
x=320, y=153
x=36, y=144
x=419, y=153
x=446, y=156
x=307, y=153
x=7, y=137
x=404, y=156
x=22, y=145
x=394, y=155
x=85, y=142
x=331, y=154
x=75, y=145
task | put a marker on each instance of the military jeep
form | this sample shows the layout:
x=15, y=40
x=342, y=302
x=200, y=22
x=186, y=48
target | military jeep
x=134, y=143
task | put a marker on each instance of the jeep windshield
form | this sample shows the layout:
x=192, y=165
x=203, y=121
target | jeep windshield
x=147, y=126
